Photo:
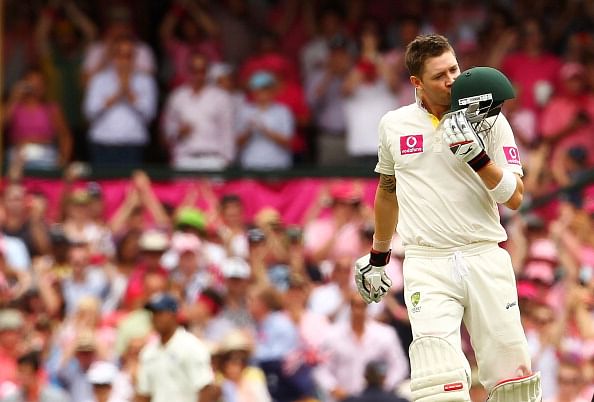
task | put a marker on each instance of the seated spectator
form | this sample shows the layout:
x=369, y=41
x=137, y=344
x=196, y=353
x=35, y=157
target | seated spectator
x=242, y=382
x=266, y=128
x=38, y=132
x=199, y=122
x=351, y=345
x=31, y=384
x=11, y=343
x=570, y=380
x=375, y=376
x=27, y=224
x=102, y=376
x=120, y=103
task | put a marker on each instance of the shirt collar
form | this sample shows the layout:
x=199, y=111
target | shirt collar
x=419, y=102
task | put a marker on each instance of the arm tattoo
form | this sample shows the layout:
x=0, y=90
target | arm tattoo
x=387, y=183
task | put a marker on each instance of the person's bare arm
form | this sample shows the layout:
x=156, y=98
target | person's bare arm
x=64, y=136
x=88, y=29
x=385, y=212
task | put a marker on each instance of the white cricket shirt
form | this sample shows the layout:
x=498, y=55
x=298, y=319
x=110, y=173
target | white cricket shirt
x=442, y=202
x=176, y=371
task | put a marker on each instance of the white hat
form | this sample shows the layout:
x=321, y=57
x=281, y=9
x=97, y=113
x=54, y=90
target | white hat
x=235, y=267
x=102, y=373
x=153, y=240
x=218, y=70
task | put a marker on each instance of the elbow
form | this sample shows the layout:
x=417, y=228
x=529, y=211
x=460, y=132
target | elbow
x=515, y=202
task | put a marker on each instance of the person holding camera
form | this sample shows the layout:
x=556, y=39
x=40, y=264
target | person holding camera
x=39, y=136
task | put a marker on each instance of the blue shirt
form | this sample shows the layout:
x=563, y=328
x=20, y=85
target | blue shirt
x=277, y=336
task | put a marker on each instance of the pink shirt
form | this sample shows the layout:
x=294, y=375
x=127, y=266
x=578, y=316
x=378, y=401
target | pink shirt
x=346, y=243
x=558, y=114
x=32, y=123
x=526, y=72
x=347, y=357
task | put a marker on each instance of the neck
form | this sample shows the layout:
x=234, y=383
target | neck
x=358, y=327
x=165, y=337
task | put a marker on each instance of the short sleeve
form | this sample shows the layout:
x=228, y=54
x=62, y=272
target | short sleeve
x=199, y=367
x=385, y=164
x=143, y=382
x=502, y=146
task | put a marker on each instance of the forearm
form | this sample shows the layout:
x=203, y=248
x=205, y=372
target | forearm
x=385, y=212
x=491, y=175
x=278, y=138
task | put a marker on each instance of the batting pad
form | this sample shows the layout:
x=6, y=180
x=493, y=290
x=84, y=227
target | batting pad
x=522, y=389
x=438, y=371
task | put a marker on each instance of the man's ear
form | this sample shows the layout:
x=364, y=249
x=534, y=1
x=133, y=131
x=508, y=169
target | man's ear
x=415, y=81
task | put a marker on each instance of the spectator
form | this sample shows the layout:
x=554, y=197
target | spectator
x=531, y=68
x=38, y=131
x=99, y=54
x=19, y=52
x=232, y=227
x=266, y=128
x=62, y=34
x=75, y=364
x=199, y=122
x=27, y=225
x=242, y=382
x=102, y=376
x=370, y=94
x=326, y=100
x=119, y=104
x=570, y=382
x=178, y=353
x=31, y=384
x=277, y=340
x=197, y=31
x=375, y=376
x=11, y=343
x=341, y=375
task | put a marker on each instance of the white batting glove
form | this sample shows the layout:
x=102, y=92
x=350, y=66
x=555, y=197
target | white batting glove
x=372, y=281
x=464, y=143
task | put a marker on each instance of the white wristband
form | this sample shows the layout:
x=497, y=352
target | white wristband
x=506, y=187
x=381, y=245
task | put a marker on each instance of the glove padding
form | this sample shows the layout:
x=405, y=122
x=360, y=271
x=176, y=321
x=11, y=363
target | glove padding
x=464, y=143
x=372, y=282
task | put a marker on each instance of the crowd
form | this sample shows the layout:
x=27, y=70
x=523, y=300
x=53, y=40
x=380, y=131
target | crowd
x=203, y=298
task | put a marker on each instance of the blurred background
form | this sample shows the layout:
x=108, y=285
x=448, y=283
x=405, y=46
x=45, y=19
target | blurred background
x=223, y=152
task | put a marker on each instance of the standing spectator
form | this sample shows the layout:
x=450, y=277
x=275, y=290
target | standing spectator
x=62, y=34
x=177, y=366
x=266, y=129
x=27, y=225
x=369, y=89
x=531, y=68
x=232, y=228
x=197, y=31
x=326, y=100
x=120, y=102
x=72, y=372
x=99, y=54
x=349, y=351
x=375, y=376
x=38, y=131
x=199, y=122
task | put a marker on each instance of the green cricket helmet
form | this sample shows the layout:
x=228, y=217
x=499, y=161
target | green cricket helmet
x=481, y=91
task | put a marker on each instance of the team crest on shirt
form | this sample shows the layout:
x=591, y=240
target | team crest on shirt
x=512, y=155
x=411, y=144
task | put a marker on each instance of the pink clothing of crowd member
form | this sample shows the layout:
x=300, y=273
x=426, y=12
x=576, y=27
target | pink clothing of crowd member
x=445, y=163
x=199, y=122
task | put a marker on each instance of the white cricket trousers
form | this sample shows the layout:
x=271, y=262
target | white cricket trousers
x=476, y=284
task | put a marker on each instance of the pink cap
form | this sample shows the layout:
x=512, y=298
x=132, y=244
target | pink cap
x=540, y=271
x=345, y=191
x=543, y=250
x=526, y=290
x=183, y=242
x=571, y=70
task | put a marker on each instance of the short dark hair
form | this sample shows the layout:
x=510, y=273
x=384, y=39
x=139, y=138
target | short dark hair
x=424, y=47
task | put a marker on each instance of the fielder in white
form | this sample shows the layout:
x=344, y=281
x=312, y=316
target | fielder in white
x=445, y=162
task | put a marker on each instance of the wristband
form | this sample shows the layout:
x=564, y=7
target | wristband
x=479, y=161
x=381, y=245
x=378, y=258
x=506, y=187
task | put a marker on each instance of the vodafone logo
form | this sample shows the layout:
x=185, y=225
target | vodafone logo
x=411, y=144
x=512, y=155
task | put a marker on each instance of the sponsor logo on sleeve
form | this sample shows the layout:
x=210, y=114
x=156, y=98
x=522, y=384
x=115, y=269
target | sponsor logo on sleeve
x=415, y=299
x=512, y=155
x=411, y=144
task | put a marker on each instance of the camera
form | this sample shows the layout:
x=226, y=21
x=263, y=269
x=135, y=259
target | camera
x=255, y=235
x=294, y=234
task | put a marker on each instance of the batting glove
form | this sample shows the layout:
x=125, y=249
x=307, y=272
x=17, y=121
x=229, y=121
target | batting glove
x=464, y=143
x=370, y=276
